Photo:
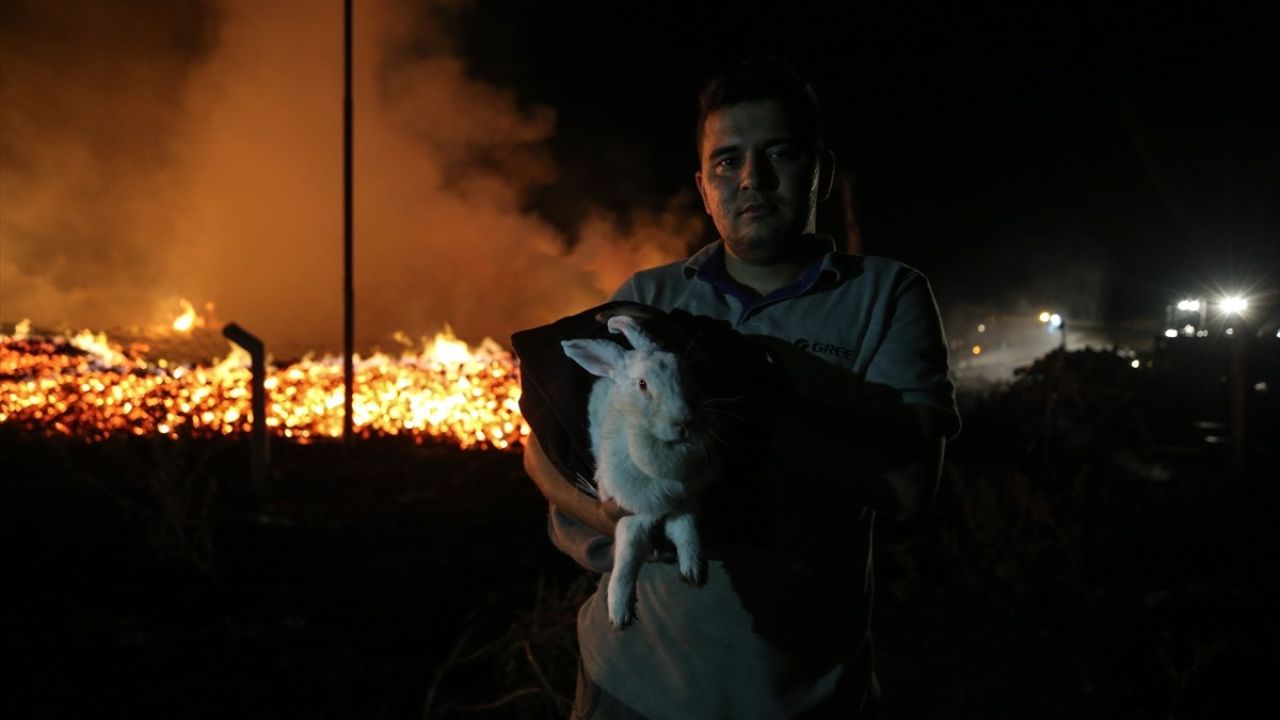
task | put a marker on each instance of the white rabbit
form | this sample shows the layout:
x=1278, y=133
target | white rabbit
x=653, y=454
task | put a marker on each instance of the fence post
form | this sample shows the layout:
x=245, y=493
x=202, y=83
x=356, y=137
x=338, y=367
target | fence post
x=259, y=459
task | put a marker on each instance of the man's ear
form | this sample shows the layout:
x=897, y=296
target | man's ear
x=826, y=173
x=697, y=180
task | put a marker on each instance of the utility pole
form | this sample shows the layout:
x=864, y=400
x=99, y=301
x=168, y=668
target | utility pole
x=348, y=287
x=1238, y=397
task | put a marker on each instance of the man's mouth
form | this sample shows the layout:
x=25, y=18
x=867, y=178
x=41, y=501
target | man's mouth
x=756, y=209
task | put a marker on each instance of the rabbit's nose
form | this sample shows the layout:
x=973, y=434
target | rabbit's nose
x=682, y=431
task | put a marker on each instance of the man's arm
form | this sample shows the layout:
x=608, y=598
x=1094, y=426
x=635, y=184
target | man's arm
x=914, y=462
x=556, y=488
x=909, y=397
x=586, y=535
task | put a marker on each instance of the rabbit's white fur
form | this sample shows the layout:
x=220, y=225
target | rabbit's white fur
x=652, y=457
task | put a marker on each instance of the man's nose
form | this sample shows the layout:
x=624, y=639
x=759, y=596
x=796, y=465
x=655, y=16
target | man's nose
x=757, y=172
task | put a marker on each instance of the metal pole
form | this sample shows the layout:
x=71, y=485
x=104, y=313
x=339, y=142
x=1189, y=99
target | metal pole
x=259, y=457
x=1239, y=372
x=348, y=287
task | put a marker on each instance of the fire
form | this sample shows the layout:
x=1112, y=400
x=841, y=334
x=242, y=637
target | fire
x=88, y=386
x=185, y=322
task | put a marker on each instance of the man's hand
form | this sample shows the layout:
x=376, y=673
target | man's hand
x=658, y=324
x=634, y=310
x=612, y=510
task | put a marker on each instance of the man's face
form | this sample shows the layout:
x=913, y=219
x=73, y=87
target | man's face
x=759, y=182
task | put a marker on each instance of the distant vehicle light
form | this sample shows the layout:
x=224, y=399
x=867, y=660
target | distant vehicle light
x=1234, y=305
x=1189, y=305
x=977, y=349
x=1135, y=364
x=1044, y=316
x=1055, y=320
x=982, y=328
x=1171, y=333
x=1231, y=331
x=1189, y=330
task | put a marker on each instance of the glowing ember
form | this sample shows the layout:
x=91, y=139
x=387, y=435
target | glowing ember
x=90, y=387
x=185, y=322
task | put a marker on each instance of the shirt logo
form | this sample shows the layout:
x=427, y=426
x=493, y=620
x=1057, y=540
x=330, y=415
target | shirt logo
x=824, y=348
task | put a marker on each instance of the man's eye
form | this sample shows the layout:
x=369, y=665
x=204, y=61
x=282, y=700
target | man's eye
x=726, y=163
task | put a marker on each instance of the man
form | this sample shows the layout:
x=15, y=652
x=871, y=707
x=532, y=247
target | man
x=780, y=628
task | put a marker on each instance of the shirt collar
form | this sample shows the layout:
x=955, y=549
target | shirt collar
x=826, y=264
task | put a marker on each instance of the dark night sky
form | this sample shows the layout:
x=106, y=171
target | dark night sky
x=1025, y=154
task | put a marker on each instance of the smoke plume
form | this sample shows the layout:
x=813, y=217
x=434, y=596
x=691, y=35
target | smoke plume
x=169, y=151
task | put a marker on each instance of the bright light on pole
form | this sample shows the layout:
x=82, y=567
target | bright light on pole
x=1234, y=305
x=1189, y=305
x=1044, y=316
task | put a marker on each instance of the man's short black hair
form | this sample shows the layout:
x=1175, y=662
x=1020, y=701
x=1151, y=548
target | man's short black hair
x=763, y=77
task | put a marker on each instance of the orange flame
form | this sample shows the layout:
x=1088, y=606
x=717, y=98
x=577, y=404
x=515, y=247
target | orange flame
x=185, y=322
x=87, y=386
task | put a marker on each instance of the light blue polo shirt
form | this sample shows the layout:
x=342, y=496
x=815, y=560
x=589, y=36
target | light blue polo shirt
x=872, y=316
x=692, y=652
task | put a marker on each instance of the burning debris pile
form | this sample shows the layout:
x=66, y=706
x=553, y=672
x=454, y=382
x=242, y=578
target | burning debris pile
x=91, y=387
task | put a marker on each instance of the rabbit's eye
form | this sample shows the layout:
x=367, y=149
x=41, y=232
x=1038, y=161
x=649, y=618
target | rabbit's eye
x=644, y=386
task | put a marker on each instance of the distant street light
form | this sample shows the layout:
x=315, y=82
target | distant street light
x=1056, y=324
x=1234, y=305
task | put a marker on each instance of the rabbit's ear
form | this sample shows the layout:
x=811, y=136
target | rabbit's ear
x=628, y=326
x=599, y=357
